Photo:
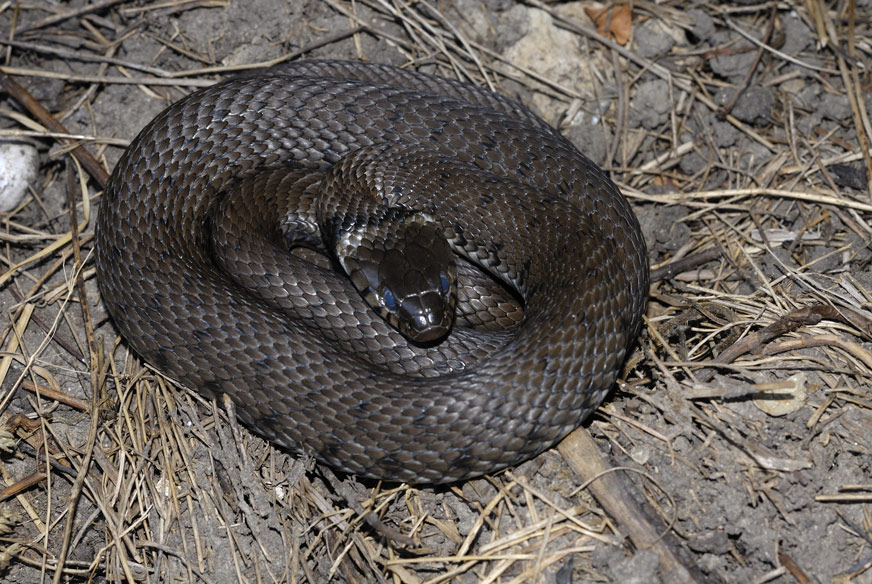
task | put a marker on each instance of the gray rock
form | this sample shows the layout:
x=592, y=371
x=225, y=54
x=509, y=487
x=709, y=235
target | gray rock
x=797, y=36
x=651, y=104
x=591, y=137
x=754, y=106
x=653, y=40
x=835, y=107
x=703, y=25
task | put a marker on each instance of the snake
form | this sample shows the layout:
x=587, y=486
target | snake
x=246, y=235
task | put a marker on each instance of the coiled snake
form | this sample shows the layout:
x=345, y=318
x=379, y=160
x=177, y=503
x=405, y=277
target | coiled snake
x=197, y=262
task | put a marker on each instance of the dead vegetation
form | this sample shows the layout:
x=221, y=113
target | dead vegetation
x=745, y=414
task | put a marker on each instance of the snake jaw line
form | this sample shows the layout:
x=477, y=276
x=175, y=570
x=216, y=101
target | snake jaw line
x=412, y=286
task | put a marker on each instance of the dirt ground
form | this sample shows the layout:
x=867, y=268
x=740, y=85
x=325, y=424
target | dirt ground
x=736, y=129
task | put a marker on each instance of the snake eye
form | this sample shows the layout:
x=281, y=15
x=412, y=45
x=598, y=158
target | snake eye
x=389, y=301
x=444, y=283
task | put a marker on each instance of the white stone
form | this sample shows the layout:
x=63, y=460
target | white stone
x=552, y=52
x=19, y=163
x=786, y=398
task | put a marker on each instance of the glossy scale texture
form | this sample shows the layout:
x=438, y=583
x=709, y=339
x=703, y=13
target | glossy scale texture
x=193, y=265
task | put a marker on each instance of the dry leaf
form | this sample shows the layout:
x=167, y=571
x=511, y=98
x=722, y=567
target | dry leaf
x=618, y=19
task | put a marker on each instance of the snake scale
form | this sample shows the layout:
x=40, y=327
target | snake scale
x=195, y=266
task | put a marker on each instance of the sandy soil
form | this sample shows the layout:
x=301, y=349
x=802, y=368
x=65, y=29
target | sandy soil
x=749, y=151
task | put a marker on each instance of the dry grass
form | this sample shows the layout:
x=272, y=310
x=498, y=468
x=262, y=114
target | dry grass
x=111, y=472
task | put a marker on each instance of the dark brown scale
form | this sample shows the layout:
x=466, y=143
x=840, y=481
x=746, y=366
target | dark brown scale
x=193, y=264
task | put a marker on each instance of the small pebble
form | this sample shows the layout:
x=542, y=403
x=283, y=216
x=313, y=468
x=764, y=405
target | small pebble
x=19, y=164
x=786, y=399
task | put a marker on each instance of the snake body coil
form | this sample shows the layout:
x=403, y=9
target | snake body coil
x=193, y=265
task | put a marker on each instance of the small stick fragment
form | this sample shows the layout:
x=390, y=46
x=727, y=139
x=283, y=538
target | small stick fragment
x=582, y=454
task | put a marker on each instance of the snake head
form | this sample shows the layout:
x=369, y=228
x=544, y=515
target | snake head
x=404, y=269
